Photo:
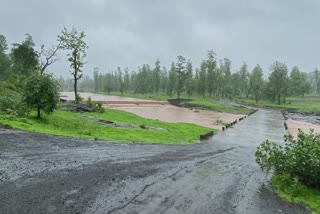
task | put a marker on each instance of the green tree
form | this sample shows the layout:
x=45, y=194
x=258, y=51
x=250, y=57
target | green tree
x=181, y=73
x=24, y=58
x=257, y=83
x=299, y=84
x=235, y=82
x=172, y=80
x=126, y=80
x=202, y=84
x=225, y=69
x=41, y=92
x=164, y=79
x=189, y=79
x=244, y=79
x=278, y=82
x=96, y=79
x=316, y=81
x=156, y=76
x=121, y=82
x=211, y=71
x=74, y=41
x=4, y=59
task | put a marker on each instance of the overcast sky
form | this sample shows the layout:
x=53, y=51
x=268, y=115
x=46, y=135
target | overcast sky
x=129, y=33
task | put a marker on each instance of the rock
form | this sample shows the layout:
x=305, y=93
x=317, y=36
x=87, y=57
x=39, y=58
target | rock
x=206, y=135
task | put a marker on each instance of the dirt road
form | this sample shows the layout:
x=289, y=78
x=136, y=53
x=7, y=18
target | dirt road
x=48, y=174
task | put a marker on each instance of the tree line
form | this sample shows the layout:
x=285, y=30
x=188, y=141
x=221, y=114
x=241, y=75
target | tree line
x=212, y=78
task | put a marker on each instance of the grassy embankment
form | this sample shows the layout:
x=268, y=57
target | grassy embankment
x=307, y=104
x=85, y=125
x=296, y=192
x=219, y=107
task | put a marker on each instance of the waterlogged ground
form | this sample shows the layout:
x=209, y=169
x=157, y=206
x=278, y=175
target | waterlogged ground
x=49, y=174
x=163, y=112
x=304, y=122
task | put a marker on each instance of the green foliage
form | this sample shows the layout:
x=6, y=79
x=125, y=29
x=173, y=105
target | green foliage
x=278, y=85
x=41, y=93
x=74, y=41
x=290, y=189
x=4, y=58
x=299, y=158
x=212, y=77
x=181, y=75
x=172, y=80
x=98, y=107
x=257, y=83
x=24, y=58
x=12, y=103
x=202, y=82
x=299, y=84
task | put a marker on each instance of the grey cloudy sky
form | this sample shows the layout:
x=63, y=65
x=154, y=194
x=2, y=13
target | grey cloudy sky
x=129, y=33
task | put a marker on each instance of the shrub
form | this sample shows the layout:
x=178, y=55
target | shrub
x=12, y=103
x=298, y=158
x=98, y=107
x=89, y=102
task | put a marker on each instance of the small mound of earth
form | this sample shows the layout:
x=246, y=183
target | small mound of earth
x=79, y=108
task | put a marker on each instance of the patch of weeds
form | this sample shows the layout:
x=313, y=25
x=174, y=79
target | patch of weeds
x=25, y=120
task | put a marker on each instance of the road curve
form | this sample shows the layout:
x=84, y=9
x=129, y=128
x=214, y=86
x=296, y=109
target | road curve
x=49, y=174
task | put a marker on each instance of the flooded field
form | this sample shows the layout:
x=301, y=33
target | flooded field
x=163, y=112
x=168, y=113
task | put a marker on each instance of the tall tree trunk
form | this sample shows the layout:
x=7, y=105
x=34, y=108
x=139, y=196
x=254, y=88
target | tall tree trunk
x=75, y=88
x=38, y=112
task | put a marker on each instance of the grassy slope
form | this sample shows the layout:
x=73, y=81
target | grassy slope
x=75, y=125
x=297, y=193
x=308, y=104
x=215, y=106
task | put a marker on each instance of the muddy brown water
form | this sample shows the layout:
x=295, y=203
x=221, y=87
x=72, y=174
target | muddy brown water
x=166, y=113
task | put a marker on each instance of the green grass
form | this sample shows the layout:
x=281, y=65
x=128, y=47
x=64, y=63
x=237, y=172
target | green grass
x=296, y=192
x=216, y=106
x=75, y=125
x=308, y=104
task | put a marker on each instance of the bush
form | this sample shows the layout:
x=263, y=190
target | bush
x=12, y=103
x=98, y=107
x=298, y=158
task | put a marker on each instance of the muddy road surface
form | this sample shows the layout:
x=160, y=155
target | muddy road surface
x=49, y=174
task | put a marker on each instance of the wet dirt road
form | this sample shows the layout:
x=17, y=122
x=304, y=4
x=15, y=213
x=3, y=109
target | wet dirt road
x=47, y=174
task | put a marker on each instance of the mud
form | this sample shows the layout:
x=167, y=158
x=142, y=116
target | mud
x=165, y=113
x=49, y=174
x=304, y=122
x=170, y=113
